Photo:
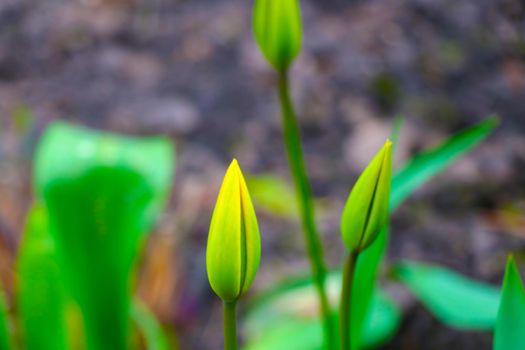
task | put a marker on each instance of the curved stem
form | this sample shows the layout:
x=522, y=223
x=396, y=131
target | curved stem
x=345, y=312
x=230, y=326
x=292, y=142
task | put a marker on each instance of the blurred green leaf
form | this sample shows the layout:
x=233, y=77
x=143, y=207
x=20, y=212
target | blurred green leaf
x=273, y=195
x=510, y=325
x=289, y=319
x=454, y=299
x=102, y=193
x=149, y=326
x=5, y=330
x=429, y=163
x=40, y=294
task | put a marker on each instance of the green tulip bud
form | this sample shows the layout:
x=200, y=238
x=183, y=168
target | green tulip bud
x=234, y=245
x=278, y=30
x=366, y=210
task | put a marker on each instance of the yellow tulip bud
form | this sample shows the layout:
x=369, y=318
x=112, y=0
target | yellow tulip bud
x=234, y=245
x=366, y=210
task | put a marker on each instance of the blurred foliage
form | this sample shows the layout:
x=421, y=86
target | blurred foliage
x=511, y=314
x=420, y=169
x=273, y=195
x=97, y=196
x=455, y=300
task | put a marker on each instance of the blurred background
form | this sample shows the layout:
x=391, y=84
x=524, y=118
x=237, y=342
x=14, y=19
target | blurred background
x=191, y=70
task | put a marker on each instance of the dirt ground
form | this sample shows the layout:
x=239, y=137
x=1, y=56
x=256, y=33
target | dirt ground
x=190, y=69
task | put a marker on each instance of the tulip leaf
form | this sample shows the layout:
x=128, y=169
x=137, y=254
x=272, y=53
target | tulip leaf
x=510, y=325
x=288, y=319
x=365, y=283
x=429, y=163
x=149, y=326
x=455, y=300
x=102, y=193
x=5, y=331
x=40, y=294
x=273, y=195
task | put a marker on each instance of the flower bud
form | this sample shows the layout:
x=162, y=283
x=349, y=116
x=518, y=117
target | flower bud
x=366, y=210
x=234, y=245
x=278, y=31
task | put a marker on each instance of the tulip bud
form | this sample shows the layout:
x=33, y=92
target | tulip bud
x=278, y=30
x=234, y=246
x=366, y=210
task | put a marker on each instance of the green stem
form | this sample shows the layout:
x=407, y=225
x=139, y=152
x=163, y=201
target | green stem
x=230, y=326
x=345, y=312
x=292, y=141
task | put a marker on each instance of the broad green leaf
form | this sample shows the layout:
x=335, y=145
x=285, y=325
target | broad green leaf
x=102, y=193
x=454, y=299
x=41, y=299
x=149, y=327
x=5, y=331
x=278, y=30
x=510, y=325
x=273, y=195
x=289, y=320
x=39, y=293
x=429, y=163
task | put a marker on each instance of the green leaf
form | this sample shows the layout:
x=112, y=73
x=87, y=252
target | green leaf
x=5, y=331
x=102, y=193
x=40, y=294
x=454, y=299
x=273, y=195
x=149, y=327
x=510, y=325
x=365, y=283
x=278, y=30
x=289, y=320
x=429, y=163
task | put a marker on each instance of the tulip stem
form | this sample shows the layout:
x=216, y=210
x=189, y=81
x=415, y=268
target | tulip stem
x=292, y=142
x=345, y=312
x=230, y=325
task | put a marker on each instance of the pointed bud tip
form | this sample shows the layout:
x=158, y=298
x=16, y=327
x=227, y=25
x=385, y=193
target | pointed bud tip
x=234, y=165
x=388, y=144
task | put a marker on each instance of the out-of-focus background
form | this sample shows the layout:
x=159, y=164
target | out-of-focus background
x=191, y=70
